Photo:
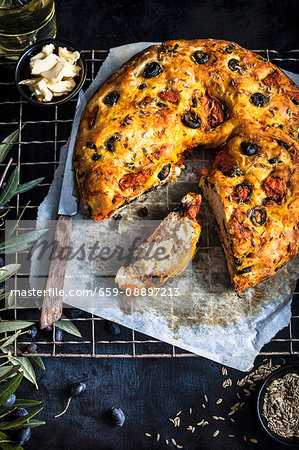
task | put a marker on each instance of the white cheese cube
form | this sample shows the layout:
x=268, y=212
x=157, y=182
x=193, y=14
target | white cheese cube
x=61, y=88
x=43, y=92
x=45, y=64
x=63, y=52
x=55, y=74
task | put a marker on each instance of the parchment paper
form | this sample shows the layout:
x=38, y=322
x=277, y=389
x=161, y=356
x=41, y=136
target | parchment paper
x=208, y=317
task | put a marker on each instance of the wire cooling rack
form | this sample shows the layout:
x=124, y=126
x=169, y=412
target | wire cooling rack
x=37, y=154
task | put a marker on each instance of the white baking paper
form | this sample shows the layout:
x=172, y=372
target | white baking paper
x=207, y=318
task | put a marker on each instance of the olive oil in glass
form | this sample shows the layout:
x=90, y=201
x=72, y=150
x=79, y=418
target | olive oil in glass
x=23, y=22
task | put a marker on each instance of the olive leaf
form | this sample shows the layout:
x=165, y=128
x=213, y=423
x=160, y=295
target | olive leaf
x=12, y=325
x=68, y=326
x=37, y=361
x=7, y=444
x=10, y=409
x=21, y=242
x=31, y=424
x=7, y=271
x=27, y=186
x=19, y=403
x=25, y=367
x=8, y=387
x=10, y=338
x=24, y=363
x=10, y=189
x=7, y=371
x=7, y=143
x=14, y=227
x=15, y=423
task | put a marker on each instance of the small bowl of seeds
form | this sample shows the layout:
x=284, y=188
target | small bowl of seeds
x=278, y=404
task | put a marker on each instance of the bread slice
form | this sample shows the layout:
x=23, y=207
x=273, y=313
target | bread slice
x=253, y=191
x=168, y=251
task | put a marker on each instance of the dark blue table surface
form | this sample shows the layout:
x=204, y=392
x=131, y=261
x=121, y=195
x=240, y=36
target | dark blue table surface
x=151, y=390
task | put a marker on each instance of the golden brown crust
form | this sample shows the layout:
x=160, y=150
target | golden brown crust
x=259, y=194
x=173, y=97
x=147, y=125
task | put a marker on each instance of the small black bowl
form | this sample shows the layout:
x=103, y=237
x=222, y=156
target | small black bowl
x=279, y=373
x=22, y=72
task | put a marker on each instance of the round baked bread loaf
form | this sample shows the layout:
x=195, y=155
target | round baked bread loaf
x=168, y=99
x=179, y=95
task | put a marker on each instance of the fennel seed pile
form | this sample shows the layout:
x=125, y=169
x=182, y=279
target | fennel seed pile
x=281, y=406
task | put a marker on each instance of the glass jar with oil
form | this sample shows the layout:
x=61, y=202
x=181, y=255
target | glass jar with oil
x=23, y=22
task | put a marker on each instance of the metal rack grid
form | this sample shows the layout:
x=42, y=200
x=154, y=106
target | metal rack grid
x=52, y=127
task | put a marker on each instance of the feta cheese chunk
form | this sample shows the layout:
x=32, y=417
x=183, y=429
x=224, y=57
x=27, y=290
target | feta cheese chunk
x=63, y=52
x=54, y=73
x=61, y=88
x=41, y=65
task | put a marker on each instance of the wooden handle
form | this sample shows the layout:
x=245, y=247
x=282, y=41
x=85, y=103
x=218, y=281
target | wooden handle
x=52, y=304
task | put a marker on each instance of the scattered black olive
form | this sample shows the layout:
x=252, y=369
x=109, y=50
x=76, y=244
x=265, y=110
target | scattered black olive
x=143, y=212
x=152, y=69
x=9, y=402
x=234, y=65
x=117, y=217
x=243, y=192
x=75, y=391
x=229, y=48
x=234, y=172
x=258, y=99
x=2, y=263
x=32, y=331
x=283, y=144
x=80, y=175
x=245, y=270
x=191, y=120
x=112, y=328
x=164, y=172
x=96, y=157
x=194, y=102
x=268, y=201
x=19, y=412
x=111, y=99
x=110, y=143
x=118, y=416
x=48, y=328
x=161, y=105
x=295, y=101
x=22, y=436
x=258, y=216
x=201, y=57
x=142, y=86
x=58, y=335
x=248, y=148
x=272, y=160
x=73, y=313
x=31, y=348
